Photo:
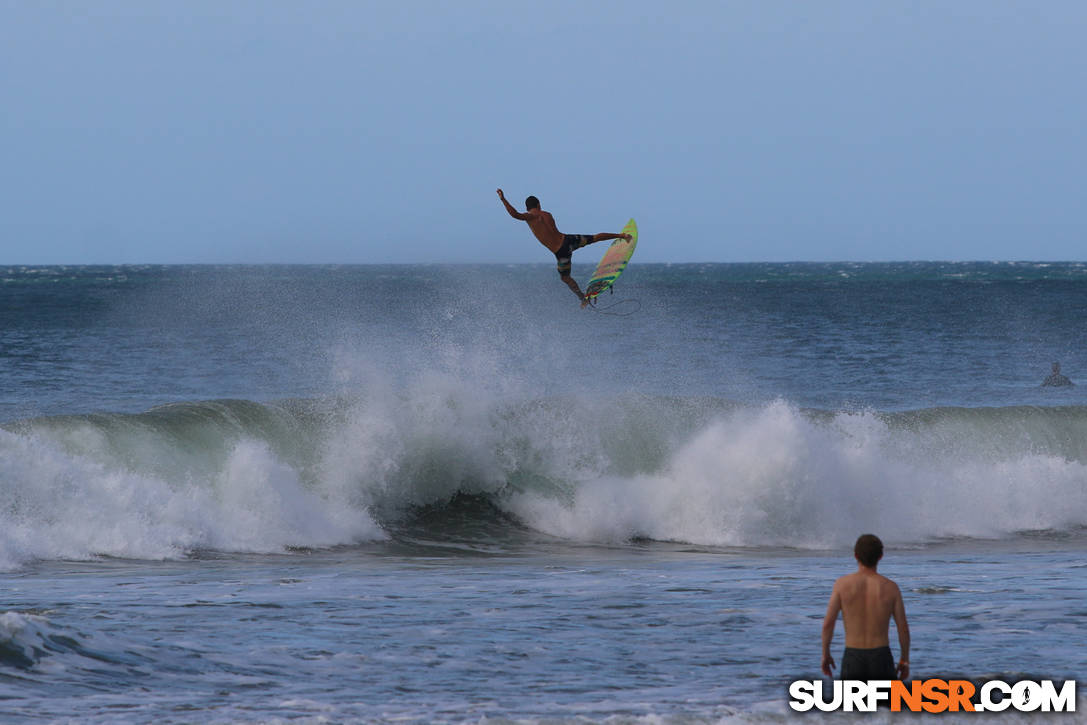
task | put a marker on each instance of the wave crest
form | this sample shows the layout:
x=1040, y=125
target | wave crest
x=243, y=476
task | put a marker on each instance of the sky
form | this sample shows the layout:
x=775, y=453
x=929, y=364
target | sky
x=374, y=131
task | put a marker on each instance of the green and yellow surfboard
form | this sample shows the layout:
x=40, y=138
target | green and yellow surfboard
x=613, y=262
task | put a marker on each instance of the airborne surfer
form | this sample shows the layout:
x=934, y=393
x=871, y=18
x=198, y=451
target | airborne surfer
x=561, y=245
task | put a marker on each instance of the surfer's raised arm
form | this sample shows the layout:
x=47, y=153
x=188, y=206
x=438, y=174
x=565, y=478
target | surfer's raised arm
x=509, y=207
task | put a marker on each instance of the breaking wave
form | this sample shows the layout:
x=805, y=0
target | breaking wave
x=441, y=461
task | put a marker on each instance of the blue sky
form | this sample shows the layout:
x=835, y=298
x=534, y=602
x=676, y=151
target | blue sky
x=371, y=131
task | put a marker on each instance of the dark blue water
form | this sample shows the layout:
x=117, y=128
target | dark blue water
x=446, y=493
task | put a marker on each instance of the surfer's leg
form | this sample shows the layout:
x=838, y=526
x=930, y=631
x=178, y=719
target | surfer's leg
x=573, y=285
x=564, y=265
x=604, y=236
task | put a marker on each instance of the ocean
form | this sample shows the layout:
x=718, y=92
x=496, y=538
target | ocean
x=427, y=493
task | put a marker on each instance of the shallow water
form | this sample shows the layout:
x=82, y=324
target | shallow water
x=553, y=632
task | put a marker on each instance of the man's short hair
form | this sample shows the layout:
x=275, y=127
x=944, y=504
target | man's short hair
x=532, y=203
x=868, y=549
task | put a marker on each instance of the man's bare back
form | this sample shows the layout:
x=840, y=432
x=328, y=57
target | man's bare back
x=867, y=601
x=543, y=226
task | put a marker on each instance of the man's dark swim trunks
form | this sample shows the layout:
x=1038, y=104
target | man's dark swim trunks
x=868, y=664
x=570, y=242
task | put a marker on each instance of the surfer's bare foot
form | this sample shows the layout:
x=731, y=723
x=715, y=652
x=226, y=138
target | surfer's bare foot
x=584, y=302
x=627, y=237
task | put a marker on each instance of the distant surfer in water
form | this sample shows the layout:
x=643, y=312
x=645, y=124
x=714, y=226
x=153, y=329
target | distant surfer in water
x=867, y=601
x=562, y=245
x=1056, y=380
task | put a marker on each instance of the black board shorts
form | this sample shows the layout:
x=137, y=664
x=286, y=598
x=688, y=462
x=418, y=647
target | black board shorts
x=570, y=242
x=868, y=664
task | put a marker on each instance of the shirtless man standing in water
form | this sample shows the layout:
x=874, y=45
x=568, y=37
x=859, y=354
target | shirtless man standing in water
x=562, y=245
x=867, y=601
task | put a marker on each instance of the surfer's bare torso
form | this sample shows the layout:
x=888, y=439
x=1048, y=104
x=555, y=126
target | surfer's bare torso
x=543, y=227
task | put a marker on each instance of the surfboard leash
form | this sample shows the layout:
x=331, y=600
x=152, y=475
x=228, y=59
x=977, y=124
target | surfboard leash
x=604, y=310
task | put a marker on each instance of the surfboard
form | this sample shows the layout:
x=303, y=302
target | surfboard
x=613, y=262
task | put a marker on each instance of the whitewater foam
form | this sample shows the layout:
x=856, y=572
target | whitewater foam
x=70, y=505
x=240, y=476
x=774, y=476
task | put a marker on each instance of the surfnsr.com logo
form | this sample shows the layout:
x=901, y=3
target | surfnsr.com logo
x=934, y=696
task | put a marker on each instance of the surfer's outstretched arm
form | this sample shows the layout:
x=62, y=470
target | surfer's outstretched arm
x=509, y=207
